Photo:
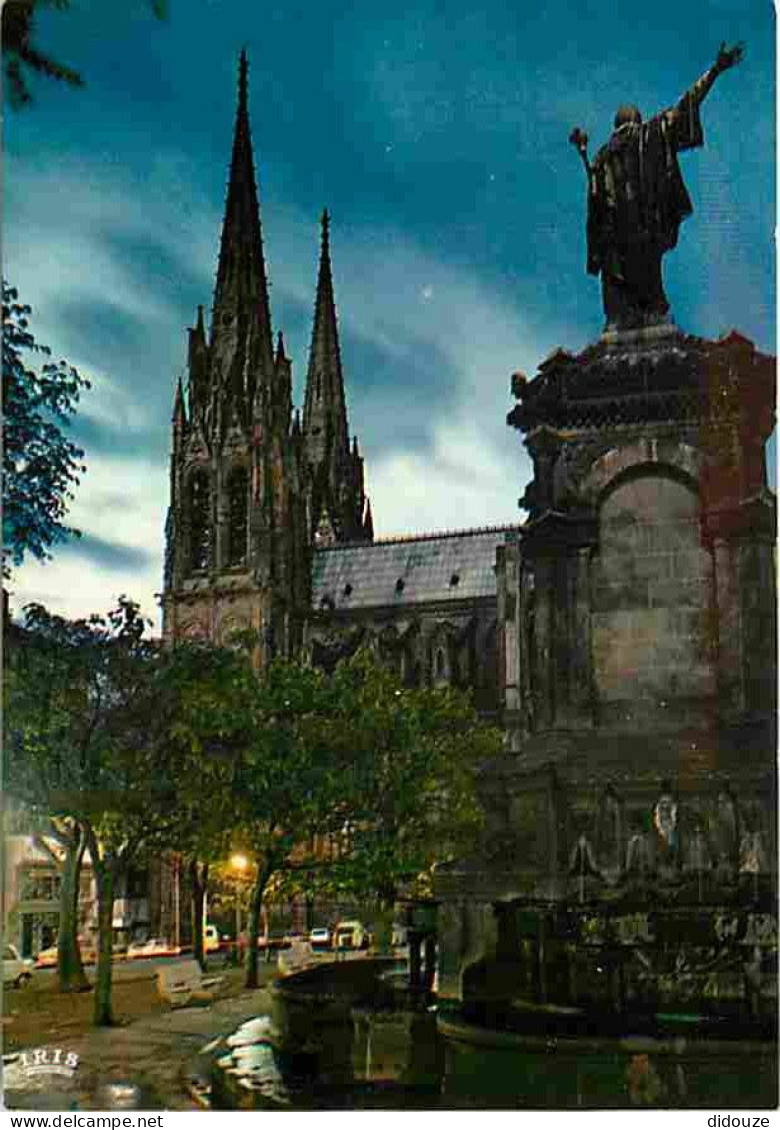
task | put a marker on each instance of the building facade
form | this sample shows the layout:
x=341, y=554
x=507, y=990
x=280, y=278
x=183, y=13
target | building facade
x=269, y=527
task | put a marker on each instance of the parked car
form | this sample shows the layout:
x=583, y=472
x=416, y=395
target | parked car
x=153, y=947
x=211, y=942
x=319, y=937
x=274, y=942
x=17, y=970
x=351, y=935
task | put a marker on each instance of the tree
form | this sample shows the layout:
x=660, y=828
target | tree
x=80, y=749
x=197, y=685
x=41, y=465
x=292, y=778
x=22, y=54
x=282, y=733
x=413, y=800
x=345, y=782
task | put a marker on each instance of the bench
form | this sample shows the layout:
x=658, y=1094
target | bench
x=184, y=983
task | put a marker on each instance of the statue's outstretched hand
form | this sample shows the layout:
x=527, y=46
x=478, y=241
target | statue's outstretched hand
x=729, y=56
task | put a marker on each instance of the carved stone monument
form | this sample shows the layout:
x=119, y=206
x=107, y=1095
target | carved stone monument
x=629, y=863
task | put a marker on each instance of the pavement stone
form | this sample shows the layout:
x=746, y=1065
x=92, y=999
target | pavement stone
x=159, y=1054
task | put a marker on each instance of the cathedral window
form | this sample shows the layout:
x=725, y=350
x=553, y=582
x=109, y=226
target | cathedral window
x=200, y=521
x=440, y=666
x=237, y=530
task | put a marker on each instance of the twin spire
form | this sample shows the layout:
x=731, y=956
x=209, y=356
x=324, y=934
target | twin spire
x=241, y=334
x=238, y=368
x=325, y=406
x=242, y=341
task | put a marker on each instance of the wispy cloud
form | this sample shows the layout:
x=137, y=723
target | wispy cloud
x=428, y=350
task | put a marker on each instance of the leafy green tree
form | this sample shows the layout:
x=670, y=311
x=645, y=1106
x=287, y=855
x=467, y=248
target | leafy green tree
x=79, y=710
x=22, y=55
x=197, y=688
x=41, y=465
x=292, y=778
x=282, y=732
x=345, y=783
x=413, y=802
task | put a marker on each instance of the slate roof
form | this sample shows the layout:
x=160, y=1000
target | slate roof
x=407, y=571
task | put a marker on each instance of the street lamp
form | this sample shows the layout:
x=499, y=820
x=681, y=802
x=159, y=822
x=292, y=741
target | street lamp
x=239, y=864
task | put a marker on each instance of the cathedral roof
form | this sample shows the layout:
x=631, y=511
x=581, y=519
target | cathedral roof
x=407, y=571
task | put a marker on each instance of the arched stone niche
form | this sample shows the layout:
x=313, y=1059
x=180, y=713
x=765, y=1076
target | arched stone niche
x=650, y=597
x=665, y=456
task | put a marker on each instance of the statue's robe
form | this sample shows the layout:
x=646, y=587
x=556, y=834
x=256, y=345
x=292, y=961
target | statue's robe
x=637, y=200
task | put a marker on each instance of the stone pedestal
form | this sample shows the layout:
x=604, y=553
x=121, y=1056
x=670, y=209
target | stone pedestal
x=639, y=612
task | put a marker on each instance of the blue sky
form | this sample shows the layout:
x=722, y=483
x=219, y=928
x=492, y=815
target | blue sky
x=436, y=134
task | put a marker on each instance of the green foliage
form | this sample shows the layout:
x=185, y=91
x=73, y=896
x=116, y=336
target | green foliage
x=21, y=53
x=198, y=696
x=267, y=741
x=412, y=798
x=40, y=464
x=80, y=719
x=348, y=782
x=78, y=710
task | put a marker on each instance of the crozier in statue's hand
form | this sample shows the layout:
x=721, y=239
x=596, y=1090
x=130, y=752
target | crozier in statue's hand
x=579, y=139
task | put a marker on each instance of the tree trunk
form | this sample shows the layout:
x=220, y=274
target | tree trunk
x=70, y=970
x=253, y=928
x=104, y=874
x=198, y=877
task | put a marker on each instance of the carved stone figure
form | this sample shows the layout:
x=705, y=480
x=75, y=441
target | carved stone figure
x=609, y=835
x=637, y=199
x=726, y=831
x=665, y=820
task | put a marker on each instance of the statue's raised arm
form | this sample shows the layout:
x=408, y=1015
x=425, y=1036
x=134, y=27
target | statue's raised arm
x=727, y=58
x=637, y=199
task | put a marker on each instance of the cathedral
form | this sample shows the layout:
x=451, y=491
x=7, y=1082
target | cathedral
x=269, y=527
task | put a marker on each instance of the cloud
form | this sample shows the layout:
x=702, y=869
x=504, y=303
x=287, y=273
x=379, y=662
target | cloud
x=106, y=554
x=427, y=350
x=120, y=509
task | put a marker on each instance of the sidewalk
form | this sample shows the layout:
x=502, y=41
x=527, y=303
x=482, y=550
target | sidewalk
x=156, y=1053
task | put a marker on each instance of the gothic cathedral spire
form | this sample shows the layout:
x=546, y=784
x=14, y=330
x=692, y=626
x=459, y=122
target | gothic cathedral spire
x=237, y=549
x=324, y=409
x=254, y=489
x=336, y=499
x=241, y=336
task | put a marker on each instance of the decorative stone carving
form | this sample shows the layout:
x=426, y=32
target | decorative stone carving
x=609, y=835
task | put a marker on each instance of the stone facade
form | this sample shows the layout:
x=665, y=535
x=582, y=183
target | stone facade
x=427, y=604
x=252, y=490
x=269, y=528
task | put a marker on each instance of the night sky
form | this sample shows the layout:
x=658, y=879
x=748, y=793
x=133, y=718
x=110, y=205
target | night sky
x=437, y=135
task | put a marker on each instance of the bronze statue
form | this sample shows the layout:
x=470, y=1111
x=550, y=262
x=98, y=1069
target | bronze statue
x=637, y=200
